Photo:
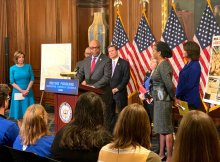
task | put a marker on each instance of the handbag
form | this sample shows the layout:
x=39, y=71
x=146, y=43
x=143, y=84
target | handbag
x=160, y=93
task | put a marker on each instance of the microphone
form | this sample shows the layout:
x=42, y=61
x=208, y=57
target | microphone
x=76, y=69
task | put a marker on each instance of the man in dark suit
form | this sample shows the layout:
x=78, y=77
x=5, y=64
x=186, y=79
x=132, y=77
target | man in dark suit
x=96, y=72
x=79, y=64
x=119, y=80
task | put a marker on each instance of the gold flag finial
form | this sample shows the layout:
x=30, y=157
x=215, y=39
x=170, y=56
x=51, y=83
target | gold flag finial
x=143, y=2
x=117, y=3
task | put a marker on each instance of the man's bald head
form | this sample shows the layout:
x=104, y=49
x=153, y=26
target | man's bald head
x=94, y=46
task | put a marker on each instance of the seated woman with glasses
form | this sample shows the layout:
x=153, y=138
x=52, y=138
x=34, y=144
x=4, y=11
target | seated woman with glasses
x=131, y=138
x=8, y=129
x=34, y=136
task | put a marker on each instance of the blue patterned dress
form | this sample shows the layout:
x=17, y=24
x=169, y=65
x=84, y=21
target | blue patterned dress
x=22, y=77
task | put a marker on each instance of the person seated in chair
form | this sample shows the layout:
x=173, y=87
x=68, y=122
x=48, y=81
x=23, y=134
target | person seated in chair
x=197, y=139
x=82, y=138
x=34, y=135
x=131, y=138
x=9, y=129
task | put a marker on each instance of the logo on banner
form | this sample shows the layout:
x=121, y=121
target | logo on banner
x=65, y=112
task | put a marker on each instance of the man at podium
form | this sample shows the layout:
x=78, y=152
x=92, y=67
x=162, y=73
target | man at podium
x=96, y=72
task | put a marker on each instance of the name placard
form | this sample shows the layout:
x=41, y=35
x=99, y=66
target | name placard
x=64, y=86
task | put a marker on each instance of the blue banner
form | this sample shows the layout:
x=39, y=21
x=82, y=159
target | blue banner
x=64, y=86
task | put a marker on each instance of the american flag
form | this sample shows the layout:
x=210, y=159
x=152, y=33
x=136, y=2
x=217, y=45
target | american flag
x=125, y=49
x=175, y=36
x=205, y=31
x=143, y=44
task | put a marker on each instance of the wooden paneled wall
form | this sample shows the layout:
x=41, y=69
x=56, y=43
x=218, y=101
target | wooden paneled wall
x=30, y=23
x=131, y=12
x=3, y=34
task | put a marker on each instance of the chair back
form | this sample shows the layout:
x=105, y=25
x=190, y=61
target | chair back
x=5, y=154
x=8, y=154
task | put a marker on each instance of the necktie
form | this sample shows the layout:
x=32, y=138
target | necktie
x=113, y=67
x=92, y=65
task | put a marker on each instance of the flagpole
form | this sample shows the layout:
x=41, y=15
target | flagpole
x=209, y=3
x=164, y=13
x=144, y=10
x=117, y=4
x=174, y=5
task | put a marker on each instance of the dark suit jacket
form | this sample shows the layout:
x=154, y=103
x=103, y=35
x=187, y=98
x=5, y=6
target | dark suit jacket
x=120, y=79
x=99, y=78
x=188, y=84
x=79, y=64
x=101, y=74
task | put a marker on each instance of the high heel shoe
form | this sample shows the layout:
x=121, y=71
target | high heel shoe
x=164, y=158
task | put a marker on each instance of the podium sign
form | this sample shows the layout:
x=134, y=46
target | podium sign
x=63, y=86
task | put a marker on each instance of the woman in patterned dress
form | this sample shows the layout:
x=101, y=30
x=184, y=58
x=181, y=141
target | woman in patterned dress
x=163, y=95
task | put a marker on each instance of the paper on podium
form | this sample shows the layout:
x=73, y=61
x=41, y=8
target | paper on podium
x=183, y=107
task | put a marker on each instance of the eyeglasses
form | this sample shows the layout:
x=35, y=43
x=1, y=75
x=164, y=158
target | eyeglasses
x=91, y=48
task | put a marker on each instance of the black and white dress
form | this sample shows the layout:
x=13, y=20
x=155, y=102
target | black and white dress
x=163, y=95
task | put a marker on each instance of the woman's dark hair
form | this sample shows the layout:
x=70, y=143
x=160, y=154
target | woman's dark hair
x=197, y=139
x=192, y=49
x=164, y=48
x=4, y=92
x=132, y=128
x=86, y=130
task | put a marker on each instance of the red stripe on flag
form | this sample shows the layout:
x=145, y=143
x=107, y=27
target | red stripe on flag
x=131, y=82
x=134, y=67
x=135, y=56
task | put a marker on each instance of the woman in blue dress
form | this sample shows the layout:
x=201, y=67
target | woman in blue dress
x=189, y=77
x=22, y=79
x=34, y=135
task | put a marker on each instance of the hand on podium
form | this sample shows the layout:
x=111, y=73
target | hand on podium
x=84, y=83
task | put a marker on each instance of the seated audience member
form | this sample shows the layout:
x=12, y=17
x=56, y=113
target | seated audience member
x=131, y=138
x=197, y=139
x=82, y=138
x=34, y=136
x=8, y=129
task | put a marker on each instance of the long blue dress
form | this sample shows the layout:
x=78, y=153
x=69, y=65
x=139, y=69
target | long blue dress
x=22, y=77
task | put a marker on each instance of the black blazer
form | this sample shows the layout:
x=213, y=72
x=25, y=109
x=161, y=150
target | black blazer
x=121, y=77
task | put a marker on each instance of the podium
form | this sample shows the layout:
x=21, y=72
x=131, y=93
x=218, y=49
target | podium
x=64, y=105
